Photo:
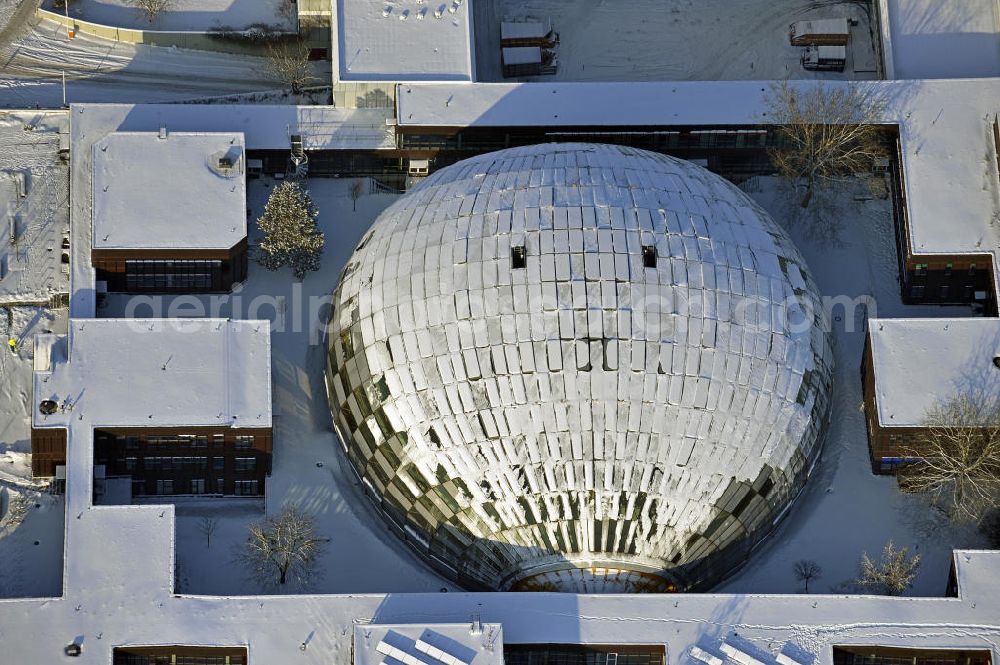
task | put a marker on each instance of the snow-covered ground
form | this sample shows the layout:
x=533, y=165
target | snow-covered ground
x=32, y=553
x=31, y=269
x=20, y=323
x=935, y=39
x=34, y=192
x=101, y=71
x=844, y=510
x=34, y=187
x=309, y=468
x=186, y=15
x=664, y=40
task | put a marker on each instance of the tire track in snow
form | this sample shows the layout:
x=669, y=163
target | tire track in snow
x=119, y=72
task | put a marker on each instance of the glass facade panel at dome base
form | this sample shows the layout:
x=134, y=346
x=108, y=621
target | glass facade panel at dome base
x=579, y=367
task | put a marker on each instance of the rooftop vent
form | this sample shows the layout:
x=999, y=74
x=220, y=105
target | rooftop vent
x=163, y=132
x=225, y=163
x=996, y=361
x=48, y=407
x=72, y=650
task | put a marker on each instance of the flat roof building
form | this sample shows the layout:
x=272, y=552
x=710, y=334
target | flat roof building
x=164, y=398
x=403, y=41
x=912, y=367
x=169, y=211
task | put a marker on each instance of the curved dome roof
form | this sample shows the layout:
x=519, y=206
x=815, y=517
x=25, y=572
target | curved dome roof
x=579, y=367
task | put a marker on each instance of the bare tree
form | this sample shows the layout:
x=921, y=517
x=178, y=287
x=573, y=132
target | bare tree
x=17, y=510
x=291, y=236
x=288, y=63
x=283, y=549
x=892, y=574
x=807, y=570
x=152, y=8
x=207, y=526
x=357, y=190
x=959, y=458
x=825, y=133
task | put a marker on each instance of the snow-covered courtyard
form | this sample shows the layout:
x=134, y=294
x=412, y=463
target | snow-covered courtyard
x=847, y=237
x=186, y=15
x=844, y=510
x=653, y=40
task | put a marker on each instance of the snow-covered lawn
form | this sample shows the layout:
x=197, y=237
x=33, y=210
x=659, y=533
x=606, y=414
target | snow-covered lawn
x=843, y=511
x=664, y=40
x=34, y=192
x=186, y=15
x=935, y=39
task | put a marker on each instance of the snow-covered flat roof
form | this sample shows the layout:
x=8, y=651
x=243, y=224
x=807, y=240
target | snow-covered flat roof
x=523, y=30
x=470, y=643
x=522, y=55
x=157, y=373
x=160, y=190
x=920, y=364
x=403, y=40
x=578, y=103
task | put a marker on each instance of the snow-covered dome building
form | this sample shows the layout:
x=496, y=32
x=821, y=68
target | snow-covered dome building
x=579, y=367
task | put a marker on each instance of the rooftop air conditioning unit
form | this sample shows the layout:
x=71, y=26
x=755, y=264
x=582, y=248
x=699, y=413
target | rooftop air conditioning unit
x=225, y=163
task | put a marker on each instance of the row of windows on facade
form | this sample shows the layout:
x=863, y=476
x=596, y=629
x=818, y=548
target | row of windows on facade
x=197, y=486
x=174, y=265
x=171, y=274
x=659, y=139
x=921, y=269
x=187, y=463
x=241, y=442
x=175, y=659
x=918, y=290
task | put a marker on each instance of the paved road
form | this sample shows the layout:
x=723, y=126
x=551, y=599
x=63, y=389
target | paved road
x=32, y=64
